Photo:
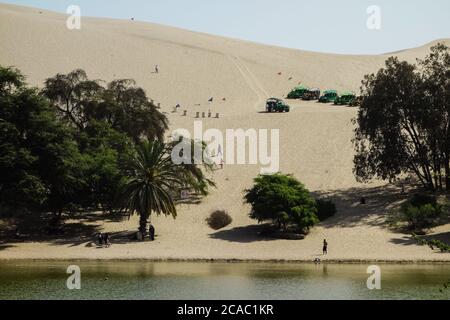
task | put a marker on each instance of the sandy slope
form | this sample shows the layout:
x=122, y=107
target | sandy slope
x=315, y=141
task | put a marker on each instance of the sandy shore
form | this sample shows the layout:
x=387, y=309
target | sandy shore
x=315, y=140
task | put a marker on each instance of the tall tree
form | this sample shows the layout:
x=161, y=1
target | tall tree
x=37, y=156
x=403, y=122
x=121, y=104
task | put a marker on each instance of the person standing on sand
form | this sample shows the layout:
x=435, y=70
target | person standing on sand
x=100, y=239
x=151, y=232
x=156, y=69
x=325, y=247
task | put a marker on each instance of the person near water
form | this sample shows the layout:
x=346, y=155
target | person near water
x=151, y=232
x=325, y=247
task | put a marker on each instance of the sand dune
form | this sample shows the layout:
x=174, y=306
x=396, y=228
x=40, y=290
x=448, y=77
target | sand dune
x=315, y=140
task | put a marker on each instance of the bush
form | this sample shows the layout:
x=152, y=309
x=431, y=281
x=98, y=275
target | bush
x=283, y=200
x=325, y=209
x=421, y=211
x=420, y=199
x=219, y=219
x=421, y=217
x=433, y=244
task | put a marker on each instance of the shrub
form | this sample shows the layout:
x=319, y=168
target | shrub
x=219, y=219
x=421, y=217
x=325, y=209
x=282, y=199
x=433, y=244
x=420, y=199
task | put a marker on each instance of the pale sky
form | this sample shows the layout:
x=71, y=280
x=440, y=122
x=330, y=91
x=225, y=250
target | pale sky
x=338, y=26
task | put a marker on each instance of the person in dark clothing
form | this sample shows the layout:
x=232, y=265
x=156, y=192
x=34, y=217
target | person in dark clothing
x=325, y=247
x=100, y=239
x=151, y=232
x=106, y=240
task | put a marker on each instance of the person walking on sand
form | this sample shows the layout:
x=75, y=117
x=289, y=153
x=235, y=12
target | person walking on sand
x=325, y=247
x=106, y=240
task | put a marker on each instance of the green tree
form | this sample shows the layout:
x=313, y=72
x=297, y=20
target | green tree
x=38, y=159
x=282, y=199
x=123, y=105
x=128, y=109
x=106, y=121
x=154, y=180
x=404, y=122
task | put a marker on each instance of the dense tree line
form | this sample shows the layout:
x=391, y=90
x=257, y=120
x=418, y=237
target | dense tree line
x=404, y=121
x=69, y=146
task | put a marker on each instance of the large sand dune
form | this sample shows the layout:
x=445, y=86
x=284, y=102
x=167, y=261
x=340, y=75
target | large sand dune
x=315, y=140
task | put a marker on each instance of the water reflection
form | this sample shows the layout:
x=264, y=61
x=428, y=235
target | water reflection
x=176, y=280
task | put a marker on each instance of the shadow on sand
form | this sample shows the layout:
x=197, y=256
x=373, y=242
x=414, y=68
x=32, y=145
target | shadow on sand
x=351, y=212
x=245, y=234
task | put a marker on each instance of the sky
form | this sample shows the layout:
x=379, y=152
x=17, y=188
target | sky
x=335, y=26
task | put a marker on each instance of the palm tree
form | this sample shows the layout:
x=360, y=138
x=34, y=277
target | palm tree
x=153, y=181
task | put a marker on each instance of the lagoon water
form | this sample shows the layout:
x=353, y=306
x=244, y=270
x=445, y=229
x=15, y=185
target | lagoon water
x=180, y=280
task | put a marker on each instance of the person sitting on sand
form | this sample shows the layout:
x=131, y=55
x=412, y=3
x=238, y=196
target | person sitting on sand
x=325, y=247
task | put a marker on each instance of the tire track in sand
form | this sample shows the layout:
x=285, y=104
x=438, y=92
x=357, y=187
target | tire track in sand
x=251, y=80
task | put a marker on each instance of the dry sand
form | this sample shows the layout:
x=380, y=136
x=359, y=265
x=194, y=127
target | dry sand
x=315, y=139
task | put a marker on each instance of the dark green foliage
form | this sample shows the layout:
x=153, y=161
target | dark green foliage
x=61, y=148
x=325, y=209
x=433, y=244
x=123, y=106
x=107, y=121
x=38, y=158
x=421, y=199
x=282, y=199
x=420, y=212
x=219, y=219
x=404, y=120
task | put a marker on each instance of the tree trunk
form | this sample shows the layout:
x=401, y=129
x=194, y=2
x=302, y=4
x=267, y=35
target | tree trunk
x=143, y=221
x=447, y=173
